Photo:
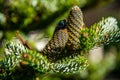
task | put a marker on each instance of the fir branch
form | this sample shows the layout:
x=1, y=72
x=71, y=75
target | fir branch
x=70, y=65
x=108, y=31
x=13, y=50
x=104, y=32
x=17, y=56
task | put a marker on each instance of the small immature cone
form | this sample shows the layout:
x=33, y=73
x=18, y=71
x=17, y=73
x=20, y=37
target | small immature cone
x=56, y=45
x=74, y=25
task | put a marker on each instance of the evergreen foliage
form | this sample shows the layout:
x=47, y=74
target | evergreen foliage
x=18, y=56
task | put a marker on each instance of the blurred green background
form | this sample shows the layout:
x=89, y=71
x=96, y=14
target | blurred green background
x=36, y=21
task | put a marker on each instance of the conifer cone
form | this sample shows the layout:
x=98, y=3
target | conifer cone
x=56, y=45
x=74, y=25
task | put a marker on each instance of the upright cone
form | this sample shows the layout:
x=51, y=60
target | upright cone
x=74, y=25
x=56, y=45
